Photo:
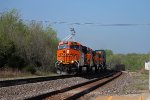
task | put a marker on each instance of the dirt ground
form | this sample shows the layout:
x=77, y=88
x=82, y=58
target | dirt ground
x=143, y=96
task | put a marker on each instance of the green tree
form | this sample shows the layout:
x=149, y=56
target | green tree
x=26, y=45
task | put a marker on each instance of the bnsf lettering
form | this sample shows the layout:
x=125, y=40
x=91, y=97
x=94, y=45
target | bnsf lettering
x=64, y=54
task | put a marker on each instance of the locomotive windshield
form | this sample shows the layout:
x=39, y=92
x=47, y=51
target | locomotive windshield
x=63, y=46
x=76, y=47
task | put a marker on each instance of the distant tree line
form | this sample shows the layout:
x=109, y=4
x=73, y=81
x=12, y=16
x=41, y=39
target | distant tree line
x=132, y=61
x=26, y=46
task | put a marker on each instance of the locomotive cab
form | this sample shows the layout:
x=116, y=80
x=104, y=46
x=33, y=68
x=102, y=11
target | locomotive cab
x=68, y=56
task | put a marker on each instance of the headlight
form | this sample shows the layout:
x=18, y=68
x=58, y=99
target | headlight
x=67, y=51
x=72, y=61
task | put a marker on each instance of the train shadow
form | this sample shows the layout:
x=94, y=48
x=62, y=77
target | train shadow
x=94, y=75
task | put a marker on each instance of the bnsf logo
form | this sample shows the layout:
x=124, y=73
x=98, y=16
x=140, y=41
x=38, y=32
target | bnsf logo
x=64, y=54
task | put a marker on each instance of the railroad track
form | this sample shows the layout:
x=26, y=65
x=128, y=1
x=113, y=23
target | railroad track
x=77, y=91
x=6, y=83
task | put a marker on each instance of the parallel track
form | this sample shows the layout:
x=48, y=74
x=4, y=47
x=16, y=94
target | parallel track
x=6, y=83
x=82, y=89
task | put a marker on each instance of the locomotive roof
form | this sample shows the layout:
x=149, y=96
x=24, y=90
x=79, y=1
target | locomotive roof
x=69, y=42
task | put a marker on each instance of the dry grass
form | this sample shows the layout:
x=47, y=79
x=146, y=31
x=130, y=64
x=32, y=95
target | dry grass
x=140, y=82
x=6, y=73
x=11, y=73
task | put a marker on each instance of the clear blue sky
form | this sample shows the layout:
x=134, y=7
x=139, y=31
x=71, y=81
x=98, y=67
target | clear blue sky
x=120, y=25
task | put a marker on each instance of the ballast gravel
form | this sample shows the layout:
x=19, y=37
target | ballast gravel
x=119, y=86
x=19, y=92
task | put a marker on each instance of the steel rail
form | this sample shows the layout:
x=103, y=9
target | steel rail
x=6, y=83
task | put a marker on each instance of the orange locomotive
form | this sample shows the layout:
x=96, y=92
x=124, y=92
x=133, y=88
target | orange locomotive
x=96, y=60
x=102, y=58
x=72, y=57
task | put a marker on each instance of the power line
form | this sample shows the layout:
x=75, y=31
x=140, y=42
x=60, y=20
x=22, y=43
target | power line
x=84, y=23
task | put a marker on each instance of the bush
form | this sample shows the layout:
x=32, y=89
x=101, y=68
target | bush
x=132, y=62
x=16, y=62
x=30, y=69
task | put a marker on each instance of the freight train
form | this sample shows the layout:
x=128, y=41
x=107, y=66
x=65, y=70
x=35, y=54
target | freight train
x=72, y=57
